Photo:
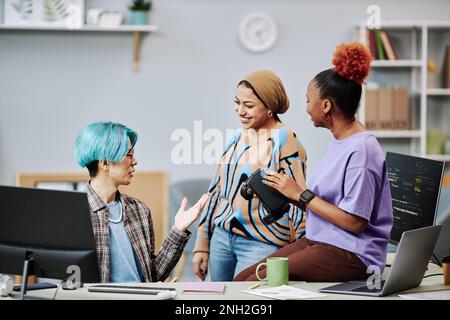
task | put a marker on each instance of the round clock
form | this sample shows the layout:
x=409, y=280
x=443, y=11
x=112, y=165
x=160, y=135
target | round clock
x=258, y=32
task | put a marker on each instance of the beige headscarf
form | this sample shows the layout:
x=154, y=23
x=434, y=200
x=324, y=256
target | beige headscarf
x=269, y=89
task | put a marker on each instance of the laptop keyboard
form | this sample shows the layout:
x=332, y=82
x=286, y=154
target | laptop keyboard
x=367, y=289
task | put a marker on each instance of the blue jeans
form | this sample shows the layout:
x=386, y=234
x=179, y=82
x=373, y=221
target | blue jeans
x=229, y=254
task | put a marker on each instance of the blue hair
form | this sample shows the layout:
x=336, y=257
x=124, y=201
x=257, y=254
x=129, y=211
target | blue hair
x=103, y=141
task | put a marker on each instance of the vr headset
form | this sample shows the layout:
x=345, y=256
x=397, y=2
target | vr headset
x=273, y=201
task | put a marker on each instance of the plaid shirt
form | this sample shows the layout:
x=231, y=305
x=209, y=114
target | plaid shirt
x=139, y=228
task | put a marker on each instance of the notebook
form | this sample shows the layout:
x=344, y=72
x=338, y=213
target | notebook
x=204, y=287
x=430, y=295
x=285, y=293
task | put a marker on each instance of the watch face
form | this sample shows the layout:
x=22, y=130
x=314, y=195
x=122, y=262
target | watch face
x=306, y=195
x=258, y=32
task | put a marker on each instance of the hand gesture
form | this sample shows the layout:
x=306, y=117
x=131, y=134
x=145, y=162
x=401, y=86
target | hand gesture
x=185, y=218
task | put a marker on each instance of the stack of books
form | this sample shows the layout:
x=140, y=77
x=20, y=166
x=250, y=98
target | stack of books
x=387, y=109
x=380, y=45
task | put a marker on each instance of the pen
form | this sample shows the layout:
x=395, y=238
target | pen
x=253, y=286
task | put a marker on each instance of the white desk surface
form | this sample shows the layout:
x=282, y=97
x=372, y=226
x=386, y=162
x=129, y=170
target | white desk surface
x=232, y=291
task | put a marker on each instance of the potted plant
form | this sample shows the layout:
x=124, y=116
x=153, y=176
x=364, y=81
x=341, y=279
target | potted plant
x=139, y=11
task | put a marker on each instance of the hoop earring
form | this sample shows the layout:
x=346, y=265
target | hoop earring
x=270, y=113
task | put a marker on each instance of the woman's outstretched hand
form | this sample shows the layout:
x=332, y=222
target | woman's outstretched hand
x=185, y=218
x=285, y=184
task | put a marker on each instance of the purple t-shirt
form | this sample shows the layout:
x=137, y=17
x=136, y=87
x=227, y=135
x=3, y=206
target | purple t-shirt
x=352, y=175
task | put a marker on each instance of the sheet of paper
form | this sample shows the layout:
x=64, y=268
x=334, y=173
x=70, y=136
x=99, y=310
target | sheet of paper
x=430, y=295
x=210, y=287
x=285, y=293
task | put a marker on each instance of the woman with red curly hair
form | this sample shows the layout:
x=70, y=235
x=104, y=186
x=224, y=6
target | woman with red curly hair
x=348, y=199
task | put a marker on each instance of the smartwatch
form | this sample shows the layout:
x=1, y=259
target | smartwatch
x=306, y=197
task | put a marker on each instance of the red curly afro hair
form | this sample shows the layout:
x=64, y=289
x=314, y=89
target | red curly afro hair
x=352, y=61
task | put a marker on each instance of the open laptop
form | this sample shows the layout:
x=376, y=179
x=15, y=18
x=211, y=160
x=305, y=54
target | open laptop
x=411, y=260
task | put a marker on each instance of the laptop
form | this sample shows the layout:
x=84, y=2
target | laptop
x=411, y=261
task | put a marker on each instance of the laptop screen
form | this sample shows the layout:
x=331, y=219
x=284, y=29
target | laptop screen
x=415, y=187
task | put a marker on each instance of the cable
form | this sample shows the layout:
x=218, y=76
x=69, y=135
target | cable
x=434, y=274
x=437, y=260
x=56, y=291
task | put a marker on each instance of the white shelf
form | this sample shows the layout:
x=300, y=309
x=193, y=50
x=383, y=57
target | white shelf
x=396, y=63
x=439, y=157
x=122, y=28
x=137, y=30
x=438, y=92
x=396, y=133
x=437, y=24
x=418, y=32
x=408, y=24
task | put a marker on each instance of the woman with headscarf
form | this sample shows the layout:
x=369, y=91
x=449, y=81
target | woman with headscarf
x=232, y=234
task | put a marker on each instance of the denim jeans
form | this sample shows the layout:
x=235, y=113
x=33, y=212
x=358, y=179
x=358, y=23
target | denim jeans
x=229, y=254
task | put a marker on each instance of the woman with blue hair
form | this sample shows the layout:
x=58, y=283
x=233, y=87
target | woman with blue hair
x=122, y=225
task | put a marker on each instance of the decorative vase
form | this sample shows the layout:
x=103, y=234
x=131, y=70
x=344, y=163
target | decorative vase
x=139, y=17
x=435, y=141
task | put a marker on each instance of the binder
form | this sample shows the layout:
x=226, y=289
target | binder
x=386, y=110
x=371, y=105
x=401, y=109
x=446, y=70
x=379, y=45
x=372, y=43
x=388, y=47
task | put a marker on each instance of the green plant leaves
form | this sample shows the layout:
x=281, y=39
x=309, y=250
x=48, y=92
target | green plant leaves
x=24, y=8
x=140, y=5
x=54, y=10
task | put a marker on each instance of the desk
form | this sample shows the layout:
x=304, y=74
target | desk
x=232, y=291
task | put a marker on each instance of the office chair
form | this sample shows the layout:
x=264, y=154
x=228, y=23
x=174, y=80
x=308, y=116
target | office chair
x=193, y=190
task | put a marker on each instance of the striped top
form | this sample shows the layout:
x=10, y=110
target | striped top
x=245, y=152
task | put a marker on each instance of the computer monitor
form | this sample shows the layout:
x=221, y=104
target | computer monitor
x=51, y=230
x=415, y=188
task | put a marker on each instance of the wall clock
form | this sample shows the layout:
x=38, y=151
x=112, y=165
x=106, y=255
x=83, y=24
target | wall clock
x=258, y=32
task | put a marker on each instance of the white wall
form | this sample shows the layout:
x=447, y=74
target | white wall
x=54, y=83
